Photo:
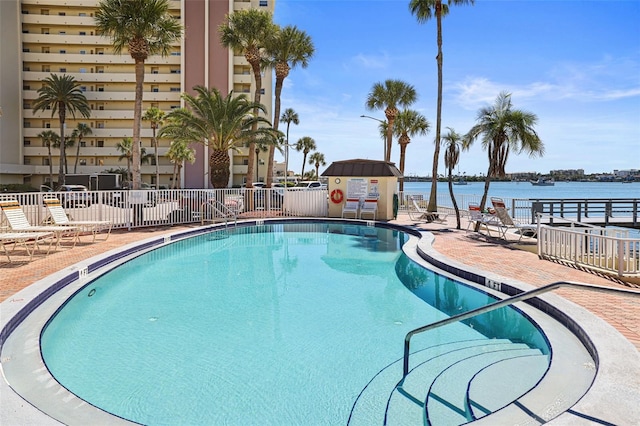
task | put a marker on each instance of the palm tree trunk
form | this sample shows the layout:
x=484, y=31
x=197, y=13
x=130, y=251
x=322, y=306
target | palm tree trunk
x=155, y=143
x=453, y=198
x=304, y=161
x=175, y=175
x=75, y=166
x=50, y=165
x=433, y=196
x=61, y=115
x=254, y=127
x=137, y=119
x=403, y=150
x=276, y=124
x=485, y=195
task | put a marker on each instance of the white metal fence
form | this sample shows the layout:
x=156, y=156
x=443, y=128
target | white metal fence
x=129, y=209
x=606, y=249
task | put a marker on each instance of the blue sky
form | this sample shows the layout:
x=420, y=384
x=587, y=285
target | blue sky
x=575, y=64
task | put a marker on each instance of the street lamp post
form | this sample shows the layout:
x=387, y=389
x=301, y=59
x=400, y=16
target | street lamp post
x=385, y=139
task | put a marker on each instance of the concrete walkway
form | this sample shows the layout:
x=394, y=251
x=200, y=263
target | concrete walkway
x=474, y=249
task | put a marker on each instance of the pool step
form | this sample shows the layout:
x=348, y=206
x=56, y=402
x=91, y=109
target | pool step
x=447, y=402
x=493, y=387
x=385, y=400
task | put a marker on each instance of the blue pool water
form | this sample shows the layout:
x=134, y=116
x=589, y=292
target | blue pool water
x=276, y=324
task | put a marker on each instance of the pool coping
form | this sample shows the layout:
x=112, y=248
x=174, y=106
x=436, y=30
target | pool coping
x=613, y=384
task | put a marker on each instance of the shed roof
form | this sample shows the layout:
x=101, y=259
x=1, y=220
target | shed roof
x=360, y=167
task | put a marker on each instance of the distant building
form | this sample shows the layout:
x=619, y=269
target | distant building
x=40, y=37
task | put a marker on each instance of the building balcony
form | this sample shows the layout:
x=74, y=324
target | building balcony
x=54, y=20
x=239, y=169
x=55, y=57
x=148, y=96
x=33, y=132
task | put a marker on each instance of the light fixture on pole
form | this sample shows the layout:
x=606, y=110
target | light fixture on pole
x=385, y=139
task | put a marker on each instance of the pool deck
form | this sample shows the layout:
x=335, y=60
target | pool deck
x=476, y=250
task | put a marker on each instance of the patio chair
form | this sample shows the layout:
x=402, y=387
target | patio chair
x=18, y=222
x=351, y=206
x=370, y=206
x=417, y=213
x=23, y=239
x=509, y=223
x=59, y=218
x=476, y=216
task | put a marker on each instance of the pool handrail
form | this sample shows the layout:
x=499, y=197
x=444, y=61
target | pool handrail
x=505, y=302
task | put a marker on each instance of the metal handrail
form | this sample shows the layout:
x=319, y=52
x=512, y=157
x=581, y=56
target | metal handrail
x=505, y=302
x=220, y=208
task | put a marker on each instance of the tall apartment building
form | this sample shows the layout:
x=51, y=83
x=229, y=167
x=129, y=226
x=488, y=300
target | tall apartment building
x=40, y=37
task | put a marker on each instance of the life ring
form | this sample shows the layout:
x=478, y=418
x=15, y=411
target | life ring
x=337, y=196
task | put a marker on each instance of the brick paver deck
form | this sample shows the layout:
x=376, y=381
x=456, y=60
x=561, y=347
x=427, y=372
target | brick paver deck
x=470, y=248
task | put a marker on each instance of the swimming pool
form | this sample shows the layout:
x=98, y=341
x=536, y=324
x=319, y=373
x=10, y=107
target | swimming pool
x=270, y=324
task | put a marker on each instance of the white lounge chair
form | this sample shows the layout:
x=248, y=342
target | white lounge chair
x=509, y=223
x=417, y=213
x=18, y=222
x=476, y=216
x=60, y=218
x=23, y=239
x=369, y=206
x=351, y=206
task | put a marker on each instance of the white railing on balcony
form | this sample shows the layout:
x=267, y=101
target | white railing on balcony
x=611, y=250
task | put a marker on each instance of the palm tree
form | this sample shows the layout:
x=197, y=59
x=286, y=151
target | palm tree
x=504, y=129
x=288, y=116
x=221, y=123
x=425, y=10
x=389, y=96
x=317, y=159
x=63, y=95
x=409, y=123
x=289, y=48
x=125, y=147
x=49, y=139
x=453, y=142
x=249, y=31
x=178, y=153
x=81, y=130
x=305, y=144
x=156, y=117
x=144, y=28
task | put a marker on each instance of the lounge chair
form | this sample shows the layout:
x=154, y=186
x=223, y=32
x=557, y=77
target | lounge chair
x=417, y=213
x=351, y=206
x=23, y=239
x=60, y=218
x=476, y=216
x=18, y=222
x=509, y=223
x=369, y=206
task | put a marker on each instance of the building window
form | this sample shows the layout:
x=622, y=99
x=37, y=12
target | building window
x=45, y=49
x=25, y=49
x=63, y=70
x=155, y=89
x=100, y=144
x=47, y=125
x=83, y=52
x=82, y=33
x=175, y=71
x=26, y=125
x=99, y=50
x=45, y=161
x=100, y=70
x=174, y=89
x=44, y=30
x=62, y=14
x=28, y=160
x=83, y=144
x=100, y=88
x=154, y=70
x=44, y=11
x=264, y=3
x=62, y=33
x=83, y=162
x=82, y=14
x=27, y=142
x=63, y=51
x=100, y=124
x=46, y=68
x=26, y=105
x=175, y=53
x=262, y=90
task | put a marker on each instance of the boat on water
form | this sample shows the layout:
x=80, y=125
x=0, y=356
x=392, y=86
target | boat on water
x=543, y=182
x=460, y=181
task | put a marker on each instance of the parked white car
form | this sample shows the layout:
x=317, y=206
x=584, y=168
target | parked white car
x=309, y=184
